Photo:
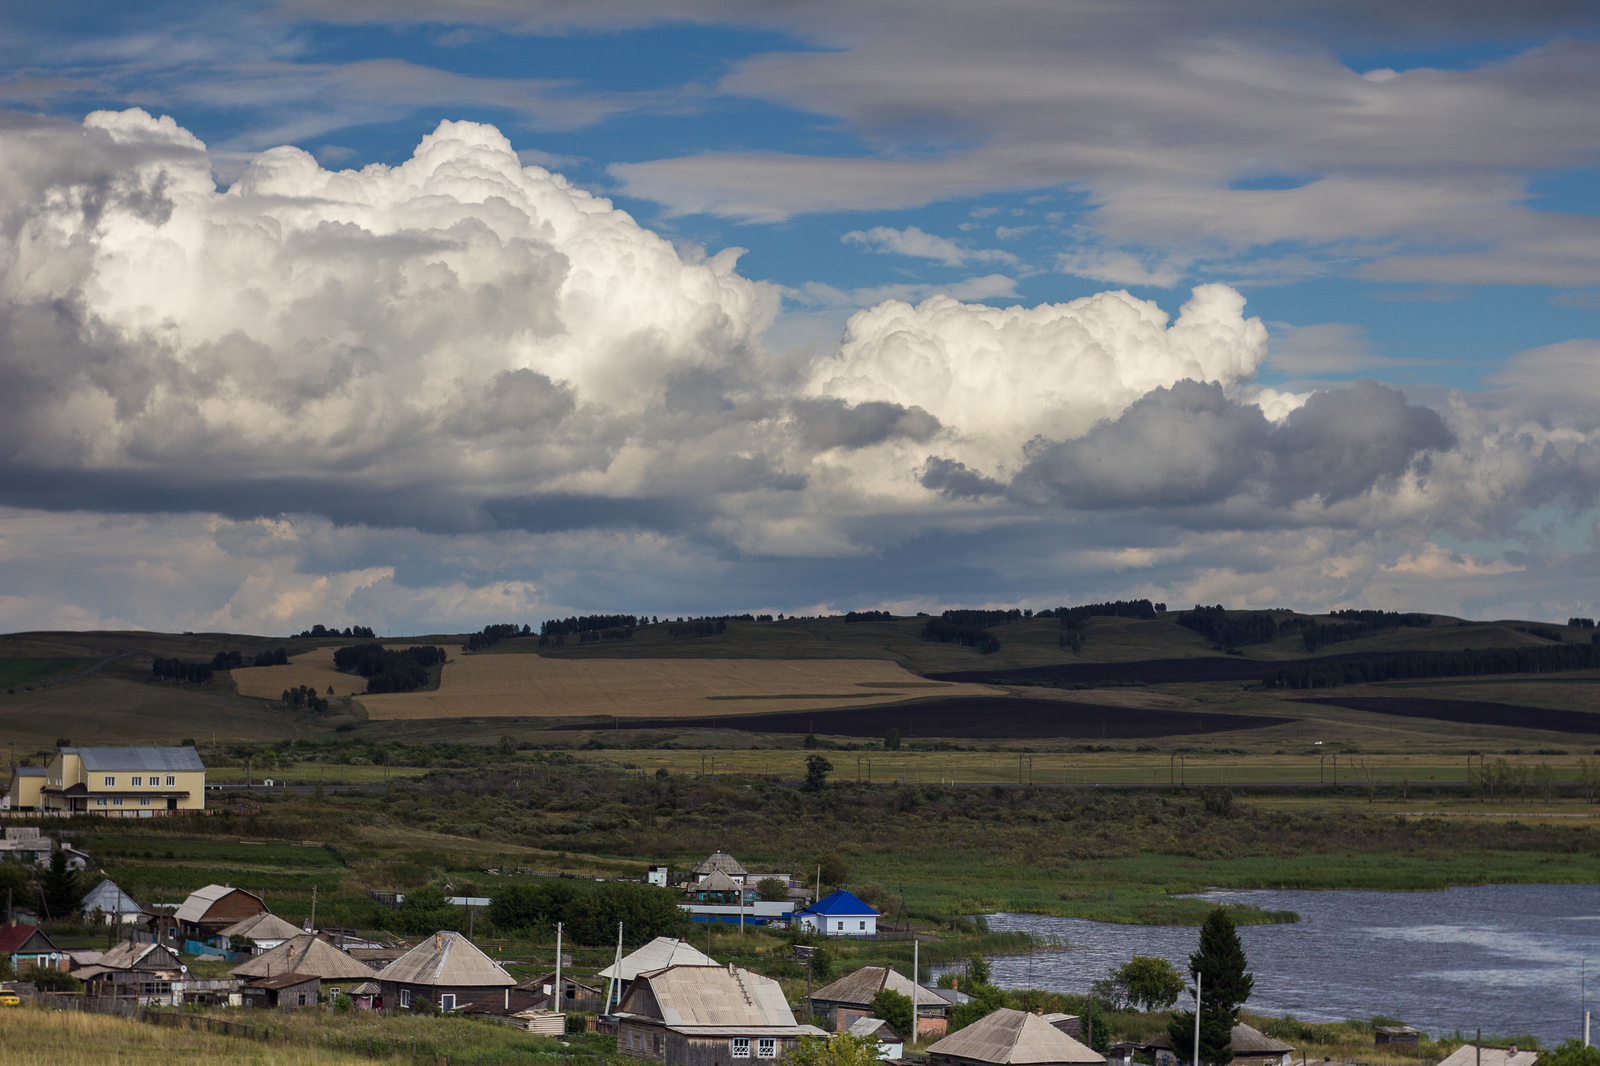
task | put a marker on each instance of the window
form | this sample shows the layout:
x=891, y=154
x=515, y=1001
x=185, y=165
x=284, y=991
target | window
x=863, y=925
x=766, y=1048
x=111, y=782
x=405, y=998
x=656, y=1040
x=171, y=780
x=302, y=999
x=144, y=801
x=101, y=801
x=138, y=781
x=741, y=1047
x=447, y=1002
x=840, y=927
x=117, y=801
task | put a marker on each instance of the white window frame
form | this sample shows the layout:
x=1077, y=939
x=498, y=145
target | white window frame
x=137, y=782
x=171, y=780
x=405, y=998
x=111, y=782
x=767, y=1048
x=863, y=924
x=741, y=1047
x=116, y=801
x=447, y=1001
x=144, y=801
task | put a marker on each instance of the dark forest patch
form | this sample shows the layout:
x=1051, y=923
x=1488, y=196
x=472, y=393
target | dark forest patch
x=1471, y=712
x=976, y=716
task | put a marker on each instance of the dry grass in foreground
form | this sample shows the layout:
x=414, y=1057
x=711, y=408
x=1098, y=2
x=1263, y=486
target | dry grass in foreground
x=34, y=1037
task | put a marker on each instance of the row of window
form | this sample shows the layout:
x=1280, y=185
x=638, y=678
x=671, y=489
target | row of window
x=116, y=801
x=447, y=1001
x=138, y=781
x=766, y=1047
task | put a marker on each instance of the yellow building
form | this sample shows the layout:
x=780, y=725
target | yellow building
x=125, y=782
x=26, y=784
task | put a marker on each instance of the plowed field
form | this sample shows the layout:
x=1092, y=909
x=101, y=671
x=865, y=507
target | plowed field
x=1472, y=712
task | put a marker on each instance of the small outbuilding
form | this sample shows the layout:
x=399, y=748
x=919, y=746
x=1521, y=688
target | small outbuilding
x=447, y=969
x=838, y=914
x=1252, y=1047
x=287, y=991
x=1010, y=1038
x=1472, y=1055
x=257, y=934
x=1403, y=1035
x=891, y=1045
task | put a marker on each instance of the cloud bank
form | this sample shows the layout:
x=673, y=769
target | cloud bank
x=462, y=385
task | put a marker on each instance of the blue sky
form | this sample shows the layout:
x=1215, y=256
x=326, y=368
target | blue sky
x=1402, y=195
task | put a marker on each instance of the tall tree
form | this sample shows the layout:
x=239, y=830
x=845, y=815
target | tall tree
x=817, y=770
x=1224, y=986
x=62, y=894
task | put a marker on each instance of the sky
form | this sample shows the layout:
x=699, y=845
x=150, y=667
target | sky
x=431, y=316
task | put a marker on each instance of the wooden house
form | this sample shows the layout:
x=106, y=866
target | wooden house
x=1013, y=1038
x=840, y=1003
x=661, y=952
x=706, y=1016
x=721, y=862
x=256, y=934
x=132, y=970
x=309, y=956
x=210, y=910
x=27, y=945
x=286, y=991
x=447, y=970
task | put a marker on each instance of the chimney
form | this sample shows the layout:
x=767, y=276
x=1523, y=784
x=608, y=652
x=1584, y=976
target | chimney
x=438, y=941
x=1039, y=1011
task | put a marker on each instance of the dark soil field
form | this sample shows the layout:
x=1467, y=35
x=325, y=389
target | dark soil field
x=977, y=716
x=1150, y=671
x=1470, y=712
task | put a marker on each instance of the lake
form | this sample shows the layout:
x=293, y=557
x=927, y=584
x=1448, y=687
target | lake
x=1509, y=958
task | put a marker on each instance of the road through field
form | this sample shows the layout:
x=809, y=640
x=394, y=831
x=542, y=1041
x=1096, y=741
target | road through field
x=478, y=686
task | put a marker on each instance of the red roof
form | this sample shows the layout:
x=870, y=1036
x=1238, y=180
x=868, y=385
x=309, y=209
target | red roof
x=15, y=936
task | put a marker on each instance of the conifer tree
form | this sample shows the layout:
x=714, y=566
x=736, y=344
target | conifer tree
x=1224, y=986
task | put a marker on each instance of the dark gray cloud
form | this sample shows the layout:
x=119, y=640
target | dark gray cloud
x=1191, y=445
x=956, y=481
x=831, y=423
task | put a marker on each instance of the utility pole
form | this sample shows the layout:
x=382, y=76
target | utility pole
x=314, y=909
x=561, y=995
x=1198, y=1008
x=916, y=972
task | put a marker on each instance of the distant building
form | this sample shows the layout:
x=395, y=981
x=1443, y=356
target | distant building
x=447, y=969
x=1010, y=1038
x=116, y=907
x=311, y=956
x=661, y=952
x=27, y=845
x=891, y=1045
x=718, y=861
x=132, y=970
x=27, y=945
x=22, y=794
x=1251, y=1047
x=1472, y=1055
x=1396, y=1034
x=716, y=887
x=839, y=914
x=707, y=1016
x=656, y=875
x=264, y=931
x=210, y=910
x=288, y=991
x=125, y=782
x=841, y=1003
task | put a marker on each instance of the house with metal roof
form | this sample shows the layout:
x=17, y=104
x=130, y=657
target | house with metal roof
x=1009, y=1037
x=447, y=969
x=718, y=861
x=116, y=907
x=707, y=1016
x=257, y=934
x=661, y=952
x=891, y=1045
x=27, y=945
x=125, y=782
x=839, y=914
x=22, y=794
x=1251, y=1047
x=840, y=1003
x=310, y=955
x=210, y=910
x=1472, y=1055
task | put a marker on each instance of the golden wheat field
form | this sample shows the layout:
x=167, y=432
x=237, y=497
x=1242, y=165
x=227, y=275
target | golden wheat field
x=477, y=686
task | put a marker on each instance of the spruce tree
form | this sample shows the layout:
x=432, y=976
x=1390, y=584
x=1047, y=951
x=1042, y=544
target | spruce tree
x=1224, y=987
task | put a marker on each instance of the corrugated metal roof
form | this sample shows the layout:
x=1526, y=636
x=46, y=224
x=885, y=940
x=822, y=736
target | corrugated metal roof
x=839, y=904
x=200, y=900
x=446, y=959
x=745, y=1030
x=263, y=926
x=719, y=860
x=171, y=760
x=282, y=980
x=875, y=1027
x=661, y=952
x=1013, y=1036
x=31, y=771
x=692, y=996
x=859, y=987
x=306, y=954
x=131, y=955
x=1467, y=1055
x=110, y=899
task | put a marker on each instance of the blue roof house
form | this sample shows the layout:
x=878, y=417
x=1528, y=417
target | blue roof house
x=838, y=914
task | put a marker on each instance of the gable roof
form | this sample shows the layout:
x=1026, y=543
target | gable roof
x=110, y=899
x=306, y=954
x=661, y=952
x=132, y=955
x=447, y=959
x=1248, y=1041
x=859, y=987
x=14, y=936
x=30, y=771
x=1013, y=1036
x=717, y=881
x=693, y=997
x=200, y=900
x=719, y=860
x=1467, y=1055
x=184, y=758
x=263, y=926
x=877, y=1029
x=839, y=904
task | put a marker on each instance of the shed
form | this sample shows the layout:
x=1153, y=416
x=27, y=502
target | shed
x=447, y=969
x=706, y=1016
x=287, y=991
x=891, y=1045
x=309, y=955
x=367, y=996
x=210, y=910
x=839, y=914
x=840, y=1003
x=576, y=996
x=1396, y=1034
x=1010, y=1037
x=114, y=905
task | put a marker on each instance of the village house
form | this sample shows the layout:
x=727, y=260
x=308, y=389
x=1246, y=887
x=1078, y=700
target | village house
x=210, y=910
x=22, y=794
x=1013, y=1038
x=1473, y=1055
x=133, y=970
x=114, y=906
x=1251, y=1047
x=576, y=996
x=838, y=914
x=447, y=970
x=660, y=953
x=126, y=782
x=286, y=991
x=842, y=1002
x=308, y=956
x=27, y=845
x=27, y=945
x=706, y=1016
x=721, y=862
x=256, y=934
x=891, y=1045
